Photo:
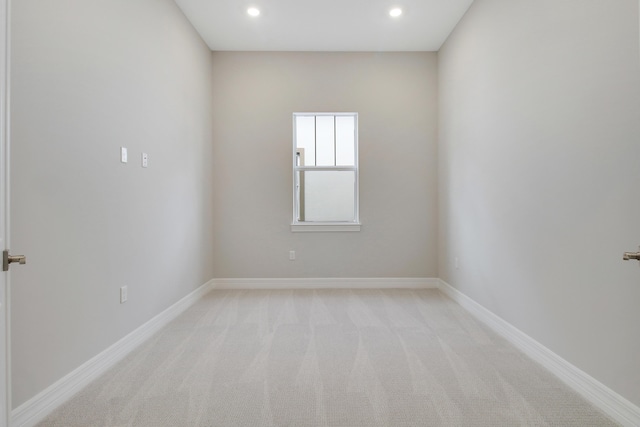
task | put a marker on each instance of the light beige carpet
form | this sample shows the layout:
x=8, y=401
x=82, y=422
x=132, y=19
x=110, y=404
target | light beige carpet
x=345, y=358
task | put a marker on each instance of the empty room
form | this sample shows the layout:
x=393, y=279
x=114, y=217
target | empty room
x=343, y=213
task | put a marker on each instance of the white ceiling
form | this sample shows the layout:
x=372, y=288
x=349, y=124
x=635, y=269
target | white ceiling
x=324, y=25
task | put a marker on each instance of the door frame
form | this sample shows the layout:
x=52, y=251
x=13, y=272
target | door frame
x=5, y=371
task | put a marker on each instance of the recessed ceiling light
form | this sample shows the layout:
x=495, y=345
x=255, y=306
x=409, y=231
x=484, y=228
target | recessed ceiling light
x=253, y=11
x=395, y=12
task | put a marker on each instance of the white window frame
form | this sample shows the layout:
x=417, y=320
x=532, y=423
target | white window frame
x=326, y=226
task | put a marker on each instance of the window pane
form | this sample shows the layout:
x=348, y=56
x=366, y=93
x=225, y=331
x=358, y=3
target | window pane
x=325, y=151
x=328, y=196
x=345, y=141
x=306, y=138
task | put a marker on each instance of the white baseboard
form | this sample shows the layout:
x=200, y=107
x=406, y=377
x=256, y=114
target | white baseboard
x=329, y=283
x=608, y=401
x=34, y=410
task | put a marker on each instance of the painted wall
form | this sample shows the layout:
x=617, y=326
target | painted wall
x=539, y=151
x=255, y=95
x=89, y=77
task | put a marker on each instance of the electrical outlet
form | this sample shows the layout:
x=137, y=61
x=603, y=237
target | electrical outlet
x=145, y=160
x=123, y=294
x=292, y=255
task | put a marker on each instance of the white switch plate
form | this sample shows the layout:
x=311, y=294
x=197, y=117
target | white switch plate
x=123, y=154
x=145, y=160
x=292, y=255
x=123, y=294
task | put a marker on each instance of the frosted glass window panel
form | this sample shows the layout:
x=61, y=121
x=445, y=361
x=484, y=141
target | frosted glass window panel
x=306, y=138
x=345, y=141
x=329, y=196
x=325, y=147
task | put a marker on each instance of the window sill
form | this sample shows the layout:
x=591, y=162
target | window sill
x=327, y=227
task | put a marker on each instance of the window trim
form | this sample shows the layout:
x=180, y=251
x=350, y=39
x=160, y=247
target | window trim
x=327, y=226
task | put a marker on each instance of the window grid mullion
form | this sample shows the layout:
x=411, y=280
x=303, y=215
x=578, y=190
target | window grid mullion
x=335, y=142
x=325, y=168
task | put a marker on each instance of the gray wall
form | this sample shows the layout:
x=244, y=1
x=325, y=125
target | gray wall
x=255, y=95
x=89, y=77
x=539, y=151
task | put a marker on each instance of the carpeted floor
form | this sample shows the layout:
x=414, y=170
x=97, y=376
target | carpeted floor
x=345, y=358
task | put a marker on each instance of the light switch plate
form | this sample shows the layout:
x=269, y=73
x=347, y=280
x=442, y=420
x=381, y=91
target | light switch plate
x=123, y=154
x=145, y=160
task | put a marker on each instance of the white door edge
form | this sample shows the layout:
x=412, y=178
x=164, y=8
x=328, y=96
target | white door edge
x=5, y=372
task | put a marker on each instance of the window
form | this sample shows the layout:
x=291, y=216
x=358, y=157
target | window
x=325, y=172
